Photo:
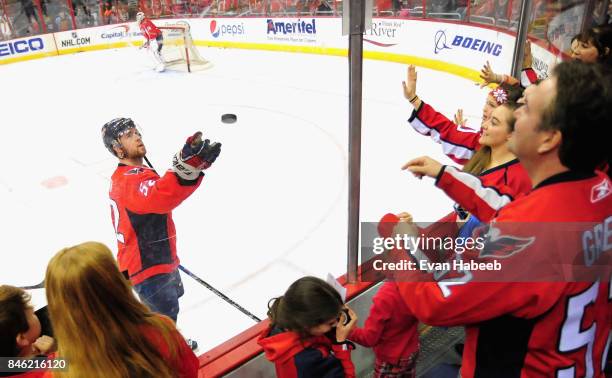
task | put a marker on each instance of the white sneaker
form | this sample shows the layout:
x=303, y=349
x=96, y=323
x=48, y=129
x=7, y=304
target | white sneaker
x=160, y=68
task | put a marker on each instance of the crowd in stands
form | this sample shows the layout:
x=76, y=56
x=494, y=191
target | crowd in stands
x=541, y=153
x=28, y=17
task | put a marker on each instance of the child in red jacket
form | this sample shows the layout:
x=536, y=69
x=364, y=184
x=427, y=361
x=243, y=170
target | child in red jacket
x=391, y=330
x=307, y=337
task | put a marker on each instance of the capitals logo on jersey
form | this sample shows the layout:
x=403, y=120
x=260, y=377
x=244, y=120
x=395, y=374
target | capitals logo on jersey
x=498, y=245
x=134, y=171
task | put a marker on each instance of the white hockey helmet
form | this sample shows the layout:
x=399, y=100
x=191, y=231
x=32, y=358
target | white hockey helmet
x=140, y=16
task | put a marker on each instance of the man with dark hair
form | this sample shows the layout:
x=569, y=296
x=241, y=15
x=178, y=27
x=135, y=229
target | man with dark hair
x=141, y=210
x=558, y=326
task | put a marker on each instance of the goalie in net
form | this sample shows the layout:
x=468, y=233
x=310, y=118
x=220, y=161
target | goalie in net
x=171, y=45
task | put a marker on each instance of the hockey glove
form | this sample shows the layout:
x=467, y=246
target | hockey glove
x=195, y=157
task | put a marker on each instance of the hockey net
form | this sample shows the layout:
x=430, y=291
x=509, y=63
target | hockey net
x=178, y=51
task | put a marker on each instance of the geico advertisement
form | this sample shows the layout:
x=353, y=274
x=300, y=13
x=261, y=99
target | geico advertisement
x=26, y=46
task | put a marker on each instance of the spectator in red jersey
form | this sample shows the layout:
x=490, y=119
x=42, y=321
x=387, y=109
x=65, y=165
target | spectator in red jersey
x=553, y=327
x=141, y=209
x=391, y=330
x=457, y=142
x=494, y=163
x=101, y=328
x=154, y=39
x=308, y=332
x=487, y=155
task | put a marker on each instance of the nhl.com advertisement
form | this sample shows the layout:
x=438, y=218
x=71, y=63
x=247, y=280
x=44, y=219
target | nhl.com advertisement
x=74, y=40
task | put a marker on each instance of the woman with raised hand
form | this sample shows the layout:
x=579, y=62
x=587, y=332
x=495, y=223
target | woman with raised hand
x=494, y=163
x=457, y=142
x=100, y=326
x=593, y=45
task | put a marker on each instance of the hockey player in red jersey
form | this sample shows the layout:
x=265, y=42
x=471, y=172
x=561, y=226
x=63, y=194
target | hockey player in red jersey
x=154, y=39
x=552, y=327
x=141, y=210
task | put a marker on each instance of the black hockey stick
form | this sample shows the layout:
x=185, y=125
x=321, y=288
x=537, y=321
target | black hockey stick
x=219, y=294
x=207, y=285
x=150, y=165
x=39, y=286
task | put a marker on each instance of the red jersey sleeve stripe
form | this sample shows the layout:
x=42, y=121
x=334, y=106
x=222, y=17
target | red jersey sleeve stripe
x=457, y=152
x=528, y=77
x=467, y=190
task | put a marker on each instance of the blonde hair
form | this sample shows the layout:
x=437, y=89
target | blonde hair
x=98, y=323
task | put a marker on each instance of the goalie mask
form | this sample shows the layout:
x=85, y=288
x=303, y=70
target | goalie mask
x=113, y=130
x=139, y=17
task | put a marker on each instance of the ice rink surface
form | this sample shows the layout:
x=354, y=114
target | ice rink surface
x=272, y=208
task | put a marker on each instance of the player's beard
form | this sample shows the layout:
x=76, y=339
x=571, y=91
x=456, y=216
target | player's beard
x=137, y=153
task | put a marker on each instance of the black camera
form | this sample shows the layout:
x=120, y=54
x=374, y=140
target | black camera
x=347, y=317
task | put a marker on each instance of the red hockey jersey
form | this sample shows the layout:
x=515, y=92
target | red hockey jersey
x=149, y=30
x=529, y=329
x=510, y=177
x=458, y=143
x=141, y=210
x=390, y=329
x=511, y=174
x=313, y=357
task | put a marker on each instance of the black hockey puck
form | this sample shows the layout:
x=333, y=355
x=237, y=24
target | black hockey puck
x=228, y=118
